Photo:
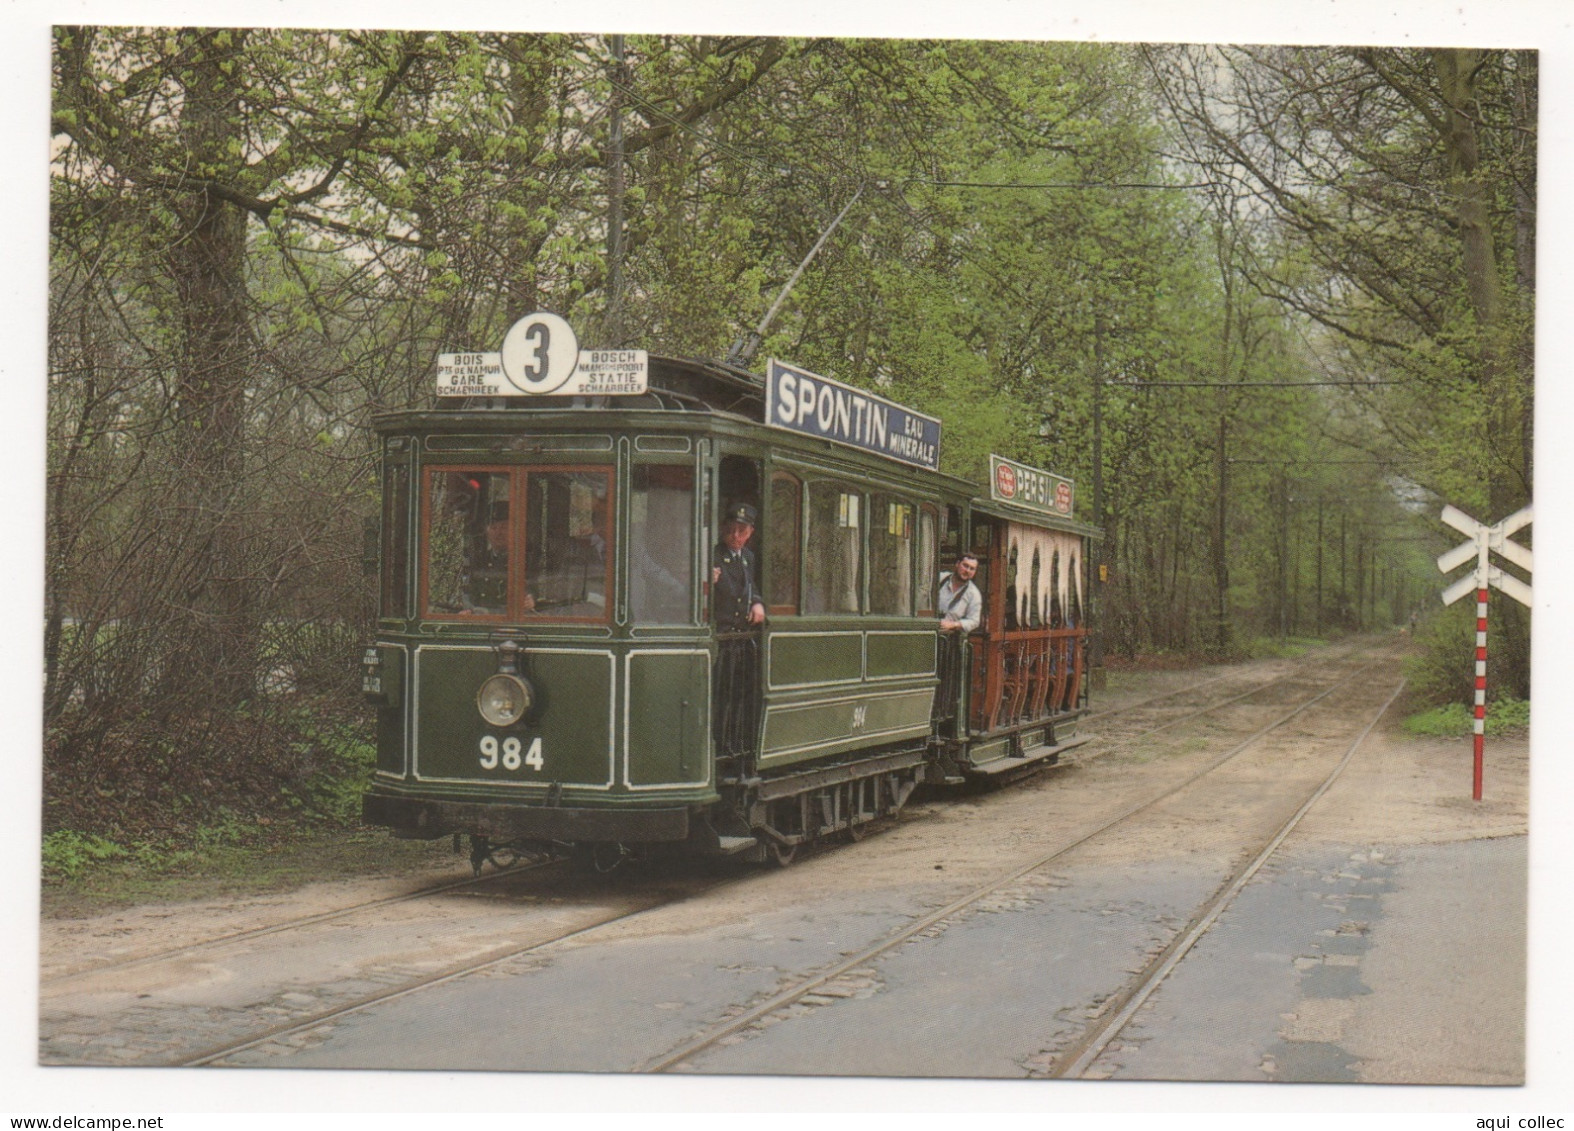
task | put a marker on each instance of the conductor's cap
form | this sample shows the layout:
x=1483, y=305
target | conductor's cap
x=742, y=512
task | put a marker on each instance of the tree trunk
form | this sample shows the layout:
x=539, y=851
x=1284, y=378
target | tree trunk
x=207, y=266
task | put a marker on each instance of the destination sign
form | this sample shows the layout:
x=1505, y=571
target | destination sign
x=610, y=373
x=471, y=375
x=804, y=402
x=594, y=373
x=1012, y=482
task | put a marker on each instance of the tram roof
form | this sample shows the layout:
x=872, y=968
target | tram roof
x=677, y=384
x=1026, y=515
x=688, y=384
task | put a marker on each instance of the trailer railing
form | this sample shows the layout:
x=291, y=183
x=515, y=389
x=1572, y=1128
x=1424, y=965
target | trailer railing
x=1026, y=675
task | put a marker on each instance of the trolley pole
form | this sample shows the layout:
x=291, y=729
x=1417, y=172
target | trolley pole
x=743, y=350
x=615, y=194
x=1484, y=540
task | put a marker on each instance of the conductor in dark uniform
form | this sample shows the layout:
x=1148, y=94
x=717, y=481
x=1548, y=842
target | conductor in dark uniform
x=737, y=598
x=738, y=609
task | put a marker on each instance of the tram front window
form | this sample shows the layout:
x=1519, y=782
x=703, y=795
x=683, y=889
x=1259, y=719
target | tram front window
x=468, y=541
x=568, y=532
x=661, y=545
x=482, y=524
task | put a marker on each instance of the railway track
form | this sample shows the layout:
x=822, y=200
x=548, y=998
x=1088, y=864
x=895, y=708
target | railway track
x=489, y=878
x=1190, y=710
x=1128, y=998
x=294, y=923
x=1076, y=1061
x=217, y=1052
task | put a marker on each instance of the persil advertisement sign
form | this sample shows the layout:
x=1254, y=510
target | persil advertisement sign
x=804, y=402
x=1012, y=482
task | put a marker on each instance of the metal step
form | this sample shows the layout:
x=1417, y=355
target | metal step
x=732, y=844
x=1037, y=754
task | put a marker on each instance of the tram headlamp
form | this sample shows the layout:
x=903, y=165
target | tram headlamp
x=504, y=699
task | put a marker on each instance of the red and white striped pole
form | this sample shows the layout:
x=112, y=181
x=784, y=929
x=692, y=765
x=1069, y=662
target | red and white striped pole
x=1485, y=540
x=1481, y=686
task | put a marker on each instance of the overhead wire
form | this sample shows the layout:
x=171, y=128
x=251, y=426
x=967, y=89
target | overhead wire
x=913, y=216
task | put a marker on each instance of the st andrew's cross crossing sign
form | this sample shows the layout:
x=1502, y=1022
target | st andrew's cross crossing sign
x=1485, y=540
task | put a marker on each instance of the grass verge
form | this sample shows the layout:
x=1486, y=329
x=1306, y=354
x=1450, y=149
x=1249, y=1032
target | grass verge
x=1504, y=717
x=80, y=880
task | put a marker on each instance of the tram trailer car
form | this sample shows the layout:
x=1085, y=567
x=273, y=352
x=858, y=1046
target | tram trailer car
x=546, y=668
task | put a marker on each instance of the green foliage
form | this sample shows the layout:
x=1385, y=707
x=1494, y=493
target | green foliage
x=67, y=854
x=1275, y=648
x=1504, y=716
x=245, y=864
x=1021, y=261
x=1442, y=669
x=333, y=761
x=346, y=758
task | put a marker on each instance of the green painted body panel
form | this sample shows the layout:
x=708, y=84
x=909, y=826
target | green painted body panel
x=391, y=711
x=901, y=654
x=988, y=751
x=572, y=717
x=832, y=724
x=390, y=741
x=668, y=718
x=834, y=688
x=815, y=657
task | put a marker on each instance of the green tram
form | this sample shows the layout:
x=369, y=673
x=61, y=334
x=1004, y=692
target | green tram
x=547, y=673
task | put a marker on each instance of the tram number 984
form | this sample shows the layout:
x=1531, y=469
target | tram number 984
x=510, y=753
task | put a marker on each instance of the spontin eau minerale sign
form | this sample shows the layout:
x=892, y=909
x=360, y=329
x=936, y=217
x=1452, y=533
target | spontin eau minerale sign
x=805, y=402
x=1012, y=482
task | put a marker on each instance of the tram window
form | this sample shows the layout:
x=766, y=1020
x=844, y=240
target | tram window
x=396, y=541
x=468, y=538
x=890, y=556
x=928, y=562
x=951, y=534
x=836, y=533
x=661, y=544
x=567, y=539
x=783, y=540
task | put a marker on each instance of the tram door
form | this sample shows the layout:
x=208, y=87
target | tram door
x=734, y=585
x=996, y=581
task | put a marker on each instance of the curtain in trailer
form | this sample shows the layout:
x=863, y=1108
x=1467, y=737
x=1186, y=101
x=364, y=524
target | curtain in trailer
x=1043, y=578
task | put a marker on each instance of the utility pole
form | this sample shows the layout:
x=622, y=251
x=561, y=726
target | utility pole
x=1295, y=572
x=1221, y=564
x=1096, y=661
x=1360, y=581
x=1319, y=565
x=1284, y=551
x=1344, y=585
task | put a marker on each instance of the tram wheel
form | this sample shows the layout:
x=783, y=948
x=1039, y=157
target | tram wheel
x=607, y=856
x=855, y=832
x=598, y=857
